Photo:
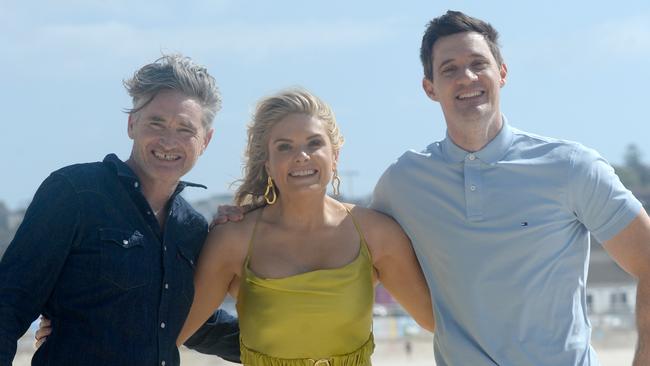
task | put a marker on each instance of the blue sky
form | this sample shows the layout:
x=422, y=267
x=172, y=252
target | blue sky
x=577, y=70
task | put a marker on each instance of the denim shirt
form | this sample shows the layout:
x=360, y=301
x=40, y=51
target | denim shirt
x=91, y=256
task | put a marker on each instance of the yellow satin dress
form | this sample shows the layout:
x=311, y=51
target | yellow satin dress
x=317, y=318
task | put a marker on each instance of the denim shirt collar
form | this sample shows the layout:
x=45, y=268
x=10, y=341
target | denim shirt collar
x=129, y=177
x=489, y=154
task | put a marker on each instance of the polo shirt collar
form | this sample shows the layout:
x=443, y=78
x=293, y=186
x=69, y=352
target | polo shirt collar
x=126, y=173
x=489, y=154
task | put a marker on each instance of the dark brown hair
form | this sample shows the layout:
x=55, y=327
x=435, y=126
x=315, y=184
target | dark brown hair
x=451, y=23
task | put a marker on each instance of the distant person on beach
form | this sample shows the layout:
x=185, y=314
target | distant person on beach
x=303, y=265
x=107, y=250
x=500, y=219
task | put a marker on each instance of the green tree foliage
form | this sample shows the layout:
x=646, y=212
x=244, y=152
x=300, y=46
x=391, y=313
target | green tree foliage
x=5, y=232
x=635, y=174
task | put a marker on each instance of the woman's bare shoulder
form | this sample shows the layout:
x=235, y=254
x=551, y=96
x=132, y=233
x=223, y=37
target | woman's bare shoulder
x=382, y=233
x=232, y=237
x=372, y=219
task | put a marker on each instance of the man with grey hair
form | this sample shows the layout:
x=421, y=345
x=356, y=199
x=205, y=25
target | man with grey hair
x=107, y=250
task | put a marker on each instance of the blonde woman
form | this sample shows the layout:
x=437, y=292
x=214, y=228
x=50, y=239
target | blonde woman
x=303, y=265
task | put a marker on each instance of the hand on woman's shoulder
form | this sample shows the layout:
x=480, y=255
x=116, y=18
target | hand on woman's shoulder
x=228, y=243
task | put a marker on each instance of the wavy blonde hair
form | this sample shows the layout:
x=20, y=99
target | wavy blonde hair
x=268, y=112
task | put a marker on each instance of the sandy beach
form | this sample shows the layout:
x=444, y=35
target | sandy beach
x=617, y=350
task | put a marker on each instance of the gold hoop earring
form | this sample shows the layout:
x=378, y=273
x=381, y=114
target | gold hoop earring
x=270, y=188
x=336, y=183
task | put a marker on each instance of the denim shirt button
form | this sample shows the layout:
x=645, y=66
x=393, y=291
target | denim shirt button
x=162, y=325
x=166, y=286
x=136, y=184
x=163, y=363
x=125, y=242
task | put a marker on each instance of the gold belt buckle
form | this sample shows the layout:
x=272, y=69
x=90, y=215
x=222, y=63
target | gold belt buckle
x=321, y=362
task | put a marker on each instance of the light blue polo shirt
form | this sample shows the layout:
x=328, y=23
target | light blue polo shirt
x=502, y=236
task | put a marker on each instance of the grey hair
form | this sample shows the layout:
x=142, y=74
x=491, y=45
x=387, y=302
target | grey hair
x=268, y=113
x=179, y=73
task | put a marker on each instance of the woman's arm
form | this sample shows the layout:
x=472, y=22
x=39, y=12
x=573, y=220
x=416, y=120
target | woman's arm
x=397, y=267
x=219, y=265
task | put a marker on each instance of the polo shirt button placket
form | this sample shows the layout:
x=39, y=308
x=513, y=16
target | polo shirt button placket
x=472, y=176
x=472, y=157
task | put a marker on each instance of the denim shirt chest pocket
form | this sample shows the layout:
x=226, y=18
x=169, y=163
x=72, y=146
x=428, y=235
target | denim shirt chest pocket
x=123, y=258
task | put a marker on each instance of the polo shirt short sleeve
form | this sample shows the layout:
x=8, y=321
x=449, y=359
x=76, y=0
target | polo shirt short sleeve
x=597, y=196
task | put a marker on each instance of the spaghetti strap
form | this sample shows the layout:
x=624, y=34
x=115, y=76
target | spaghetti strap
x=356, y=225
x=364, y=244
x=250, y=242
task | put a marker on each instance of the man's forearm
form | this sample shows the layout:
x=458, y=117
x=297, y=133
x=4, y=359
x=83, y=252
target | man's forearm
x=642, y=355
x=218, y=336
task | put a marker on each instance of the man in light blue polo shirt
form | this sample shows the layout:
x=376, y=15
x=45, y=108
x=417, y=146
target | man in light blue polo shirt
x=500, y=218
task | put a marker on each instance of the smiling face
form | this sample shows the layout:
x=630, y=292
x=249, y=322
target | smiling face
x=466, y=80
x=301, y=158
x=168, y=138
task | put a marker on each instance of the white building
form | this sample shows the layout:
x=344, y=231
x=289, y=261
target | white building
x=611, y=292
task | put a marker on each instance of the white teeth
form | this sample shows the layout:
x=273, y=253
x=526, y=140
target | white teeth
x=168, y=157
x=470, y=95
x=302, y=173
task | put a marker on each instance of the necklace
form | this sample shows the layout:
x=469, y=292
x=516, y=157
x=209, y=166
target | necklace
x=160, y=210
